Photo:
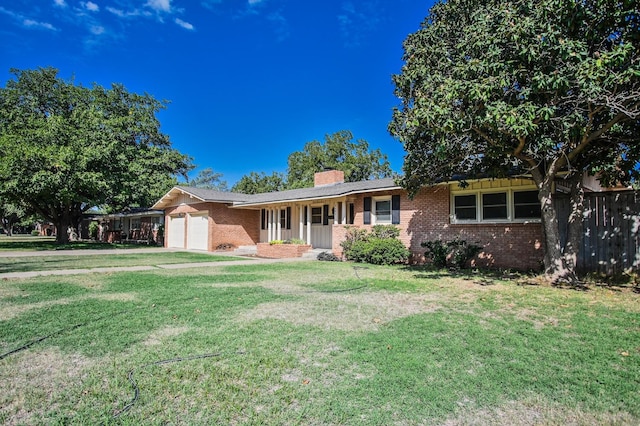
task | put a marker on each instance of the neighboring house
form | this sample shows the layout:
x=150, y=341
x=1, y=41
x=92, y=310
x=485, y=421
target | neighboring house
x=140, y=225
x=503, y=216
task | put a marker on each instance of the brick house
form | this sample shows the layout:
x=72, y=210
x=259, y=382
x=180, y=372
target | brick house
x=502, y=216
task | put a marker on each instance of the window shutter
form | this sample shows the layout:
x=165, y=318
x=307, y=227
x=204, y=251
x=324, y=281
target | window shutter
x=367, y=211
x=288, y=218
x=306, y=215
x=395, y=209
x=263, y=222
x=325, y=214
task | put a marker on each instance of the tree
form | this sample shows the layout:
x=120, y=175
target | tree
x=256, y=183
x=65, y=148
x=550, y=88
x=339, y=152
x=10, y=215
x=208, y=179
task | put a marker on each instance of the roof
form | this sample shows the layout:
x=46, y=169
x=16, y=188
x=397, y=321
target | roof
x=303, y=194
x=320, y=192
x=201, y=194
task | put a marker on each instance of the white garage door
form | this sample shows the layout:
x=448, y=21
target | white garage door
x=176, y=232
x=198, y=231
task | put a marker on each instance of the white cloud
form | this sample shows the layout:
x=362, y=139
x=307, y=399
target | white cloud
x=97, y=29
x=159, y=5
x=254, y=2
x=183, y=24
x=60, y=3
x=91, y=6
x=30, y=23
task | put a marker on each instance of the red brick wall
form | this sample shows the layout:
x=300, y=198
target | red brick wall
x=427, y=217
x=328, y=177
x=282, y=251
x=226, y=226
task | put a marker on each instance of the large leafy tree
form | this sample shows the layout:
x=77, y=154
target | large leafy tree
x=65, y=148
x=208, y=179
x=545, y=87
x=339, y=151
x=257, y=183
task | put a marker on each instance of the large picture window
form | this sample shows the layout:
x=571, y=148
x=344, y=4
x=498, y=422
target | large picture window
x=503, y=206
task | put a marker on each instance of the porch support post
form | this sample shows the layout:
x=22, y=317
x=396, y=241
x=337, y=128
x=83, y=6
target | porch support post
x=343, y=219
x=335, y=213
x=278, y=225
x=268, y=225
x=308, y=224
x=301, y=220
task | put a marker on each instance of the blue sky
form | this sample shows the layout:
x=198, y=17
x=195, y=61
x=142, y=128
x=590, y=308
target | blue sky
x=249, y=81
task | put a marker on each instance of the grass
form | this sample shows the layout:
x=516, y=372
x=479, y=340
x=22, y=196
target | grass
x=36, y=243
x=84, y=261
x=304, y=343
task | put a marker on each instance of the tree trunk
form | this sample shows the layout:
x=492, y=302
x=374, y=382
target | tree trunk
x=62, y=226
x=559, y=261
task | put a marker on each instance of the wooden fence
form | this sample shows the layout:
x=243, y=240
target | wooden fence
x=611, y=232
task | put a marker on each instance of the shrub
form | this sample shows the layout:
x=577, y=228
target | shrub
x=328, y=257
x=295, y=241
x=381, y=246
x=276, y=242
x=352, y=236
x=456, y=253
x=385, y=231
x=93, y=230
x=35, y=233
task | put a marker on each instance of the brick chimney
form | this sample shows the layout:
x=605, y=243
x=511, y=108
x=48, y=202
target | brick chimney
x=328, y=177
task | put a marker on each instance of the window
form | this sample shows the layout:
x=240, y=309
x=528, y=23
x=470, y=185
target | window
x=316, y=215
x=135, y=223
x=465, y=207
x=494, y=206
x=526, y=205
x=505, y=206
x=285, y=218
x=382, y=210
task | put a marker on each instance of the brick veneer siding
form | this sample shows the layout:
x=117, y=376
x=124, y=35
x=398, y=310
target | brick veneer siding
x=328, y=177
x=426, y=217
x=226, y=226
x=281, y=251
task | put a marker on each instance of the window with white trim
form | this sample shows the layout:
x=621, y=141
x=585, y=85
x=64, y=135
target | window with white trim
x=495, y=206
x=381, y=210
x=316, y=215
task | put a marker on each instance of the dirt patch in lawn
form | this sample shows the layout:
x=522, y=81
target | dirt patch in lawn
x=158, y=336
x=537, y=412
x=350, y=312
x=10, y=312
x=36, y=378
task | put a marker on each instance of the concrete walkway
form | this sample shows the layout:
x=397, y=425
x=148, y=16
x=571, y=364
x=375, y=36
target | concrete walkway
x=31, y=274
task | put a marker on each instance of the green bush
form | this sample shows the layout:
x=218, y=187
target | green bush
x=276, y=242
x=328, y=257
x=456, y=253
x=35, y=233
x=295, y=241
x=381, y=246
x=437, y=252
x=93, y=230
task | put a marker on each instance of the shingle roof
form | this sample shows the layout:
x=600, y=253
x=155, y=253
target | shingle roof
x=325, y=191
x=249, y=200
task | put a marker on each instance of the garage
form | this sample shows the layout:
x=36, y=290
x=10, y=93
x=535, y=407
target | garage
x=176, y=232
x=198, y=231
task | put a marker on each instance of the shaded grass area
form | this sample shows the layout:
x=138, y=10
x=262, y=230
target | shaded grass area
x=53, y=262
x=37, y=243
x=410, y=347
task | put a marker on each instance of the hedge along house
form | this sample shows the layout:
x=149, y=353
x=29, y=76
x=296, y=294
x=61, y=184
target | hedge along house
x=502, y=216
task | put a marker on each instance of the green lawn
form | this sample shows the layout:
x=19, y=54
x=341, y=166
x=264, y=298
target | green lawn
x=85, y=261
x=31, y=243
x=305, y=343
